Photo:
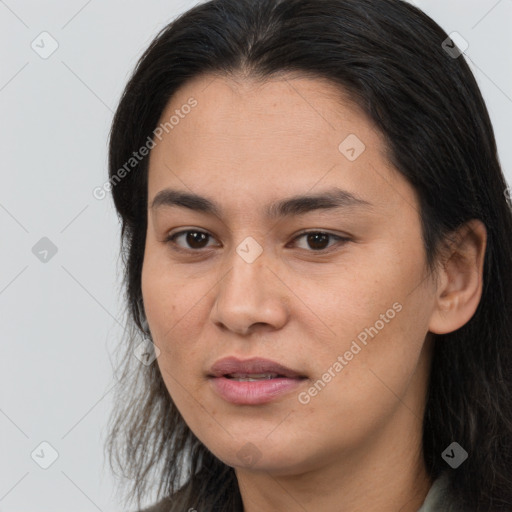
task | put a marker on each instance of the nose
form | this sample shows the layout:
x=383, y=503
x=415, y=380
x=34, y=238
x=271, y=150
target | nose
x=250, y=296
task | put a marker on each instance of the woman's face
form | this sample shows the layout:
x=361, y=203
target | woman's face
x=348, y=315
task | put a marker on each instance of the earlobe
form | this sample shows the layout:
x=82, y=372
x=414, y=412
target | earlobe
x=460, y=279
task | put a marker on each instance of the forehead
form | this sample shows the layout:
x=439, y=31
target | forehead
x=285, y=135
x=284, y=109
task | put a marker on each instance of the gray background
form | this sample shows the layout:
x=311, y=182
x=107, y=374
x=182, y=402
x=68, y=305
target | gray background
x=61, y=319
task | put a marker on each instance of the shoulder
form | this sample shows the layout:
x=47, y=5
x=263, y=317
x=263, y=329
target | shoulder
x=438, y=498
x=169, y=503
x=162, y=506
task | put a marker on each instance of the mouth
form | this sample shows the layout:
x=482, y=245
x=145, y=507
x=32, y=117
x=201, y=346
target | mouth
x=256, y=367
x=253, y=381
x=253, y=377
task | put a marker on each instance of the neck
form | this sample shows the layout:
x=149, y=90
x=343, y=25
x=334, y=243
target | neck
x=386, y=478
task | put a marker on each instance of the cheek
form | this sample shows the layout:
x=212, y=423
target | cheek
x=356, y=296
x=173, y=320
x=176, y=307
x=369, y=388
x=380, y=320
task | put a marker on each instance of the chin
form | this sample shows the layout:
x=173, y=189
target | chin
x=262, y=455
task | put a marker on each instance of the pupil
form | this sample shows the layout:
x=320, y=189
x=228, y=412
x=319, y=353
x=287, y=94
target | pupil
x=314, y=238
x=193, y=237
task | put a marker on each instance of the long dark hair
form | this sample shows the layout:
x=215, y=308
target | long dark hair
x=392, y=61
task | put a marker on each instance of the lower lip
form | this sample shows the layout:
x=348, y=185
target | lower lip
x=255, y=392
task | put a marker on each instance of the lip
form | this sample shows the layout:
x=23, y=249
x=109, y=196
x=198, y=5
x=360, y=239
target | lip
x=256, y=392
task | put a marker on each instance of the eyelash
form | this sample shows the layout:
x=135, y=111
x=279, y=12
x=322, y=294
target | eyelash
x=171, y=240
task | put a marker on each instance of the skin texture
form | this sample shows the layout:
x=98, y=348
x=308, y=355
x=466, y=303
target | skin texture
x=356, y=445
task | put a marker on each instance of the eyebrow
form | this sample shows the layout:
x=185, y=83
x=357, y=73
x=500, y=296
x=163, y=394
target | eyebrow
x=334, y=198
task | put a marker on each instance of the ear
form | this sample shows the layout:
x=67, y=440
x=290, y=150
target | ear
x=460, y=277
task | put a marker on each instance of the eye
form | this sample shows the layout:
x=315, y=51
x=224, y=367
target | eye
x=319, y=240
x=194, y=239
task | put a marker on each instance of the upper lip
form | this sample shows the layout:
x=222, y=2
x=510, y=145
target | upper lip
x=229, y=365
